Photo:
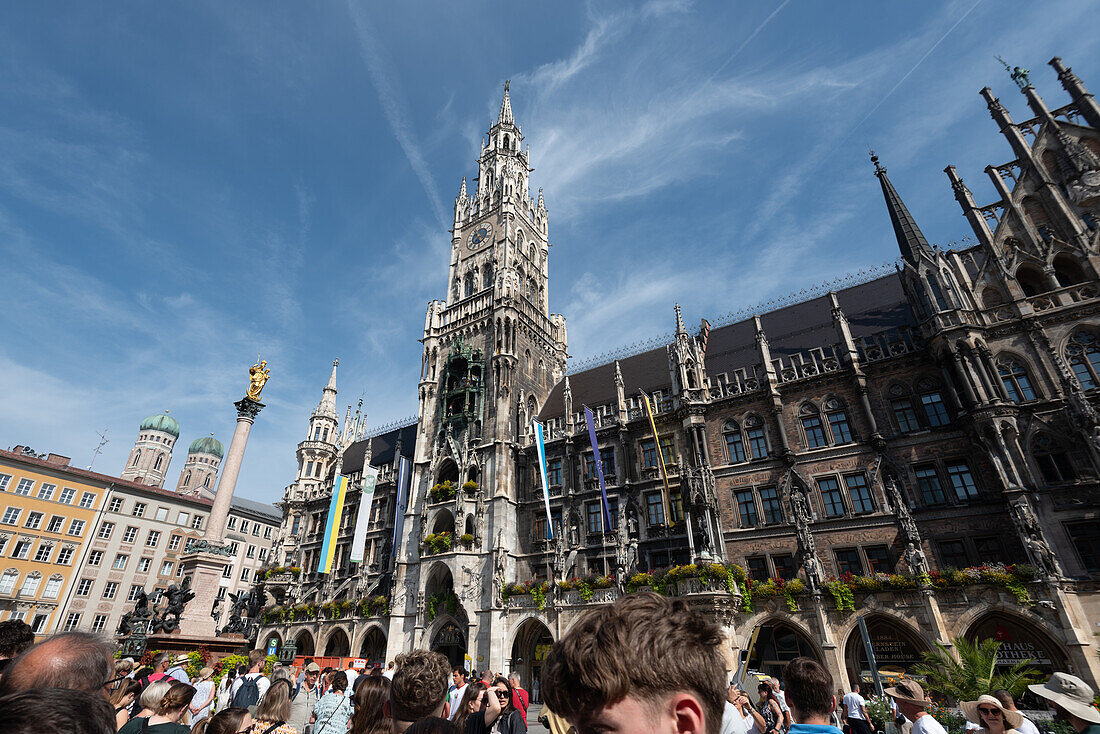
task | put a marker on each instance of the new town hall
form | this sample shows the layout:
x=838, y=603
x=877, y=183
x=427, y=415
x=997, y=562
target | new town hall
x=920, y=450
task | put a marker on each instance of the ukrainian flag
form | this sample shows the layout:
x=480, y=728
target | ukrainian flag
x=332, y=525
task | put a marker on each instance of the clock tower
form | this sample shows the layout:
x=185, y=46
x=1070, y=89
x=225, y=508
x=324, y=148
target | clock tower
x=492, y=353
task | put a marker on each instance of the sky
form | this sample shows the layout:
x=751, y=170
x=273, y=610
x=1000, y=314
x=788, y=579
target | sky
x=185, y=186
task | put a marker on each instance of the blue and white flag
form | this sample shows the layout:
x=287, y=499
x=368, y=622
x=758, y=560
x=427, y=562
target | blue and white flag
x=588, y=418
x=362, y=520
x=541, y=445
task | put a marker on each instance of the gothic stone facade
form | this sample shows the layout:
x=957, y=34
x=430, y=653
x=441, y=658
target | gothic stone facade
x=942, y=416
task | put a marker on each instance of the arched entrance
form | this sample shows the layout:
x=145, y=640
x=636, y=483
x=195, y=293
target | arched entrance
x=373, y=648
x=897, y=647
x=1020, y=640
x=451, y=642
x=337, y=645
x=304, y=643
x=532, y=642
x=774, y=644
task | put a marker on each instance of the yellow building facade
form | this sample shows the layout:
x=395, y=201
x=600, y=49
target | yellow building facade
x=48, y=512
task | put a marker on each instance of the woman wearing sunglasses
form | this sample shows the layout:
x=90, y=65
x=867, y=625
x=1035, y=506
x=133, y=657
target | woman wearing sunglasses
x=993, y=718
x=510, y=720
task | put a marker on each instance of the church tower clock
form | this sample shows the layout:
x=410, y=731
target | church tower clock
x=492, y=353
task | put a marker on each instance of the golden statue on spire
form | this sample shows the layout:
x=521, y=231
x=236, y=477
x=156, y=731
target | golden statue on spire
x=258, y=375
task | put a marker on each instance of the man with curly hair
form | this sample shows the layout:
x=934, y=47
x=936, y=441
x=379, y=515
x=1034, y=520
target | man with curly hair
x=601, y=676
x=419, y=689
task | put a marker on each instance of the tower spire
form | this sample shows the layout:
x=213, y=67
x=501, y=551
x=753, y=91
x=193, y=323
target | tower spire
x=327, y=406
x=911, y=240
x=505, y=117
x=680, y=328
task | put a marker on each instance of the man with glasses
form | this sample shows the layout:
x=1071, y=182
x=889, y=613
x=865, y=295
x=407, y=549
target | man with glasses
x=301, y=706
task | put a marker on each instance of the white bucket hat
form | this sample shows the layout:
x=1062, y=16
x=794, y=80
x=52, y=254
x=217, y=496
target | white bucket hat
x=1071, y=693
x=970, y=711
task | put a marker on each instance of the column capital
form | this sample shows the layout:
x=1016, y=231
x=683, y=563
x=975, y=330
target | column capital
x=248, y=409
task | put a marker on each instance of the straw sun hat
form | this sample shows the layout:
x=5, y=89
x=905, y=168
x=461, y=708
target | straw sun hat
x=1013, y=719
x=1071, y=693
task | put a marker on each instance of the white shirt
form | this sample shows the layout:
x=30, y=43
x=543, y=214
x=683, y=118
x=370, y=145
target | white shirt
x=454, y=697
x=854, y=701
x=732, y=721
x=262, y=683
x=1027, y=726
x=179, y=674
x=352, y=675
x=389, y=673
x=927, y=725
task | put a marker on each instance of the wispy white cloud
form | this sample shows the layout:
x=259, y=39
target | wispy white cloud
x=384, y=79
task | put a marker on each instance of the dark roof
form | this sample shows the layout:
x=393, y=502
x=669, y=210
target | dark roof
x=871, y=307
x=257, y=508
x=383, y=447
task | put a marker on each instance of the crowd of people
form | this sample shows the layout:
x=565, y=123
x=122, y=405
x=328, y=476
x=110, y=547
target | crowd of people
x=645, y=663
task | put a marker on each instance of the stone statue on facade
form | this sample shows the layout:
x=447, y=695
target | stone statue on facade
x=237, y=612
x=1024, y=517
x=500, y=560
x=1042, y=557
x=812, y=566
x=800, y=508
x=915, y=559
x=258, y=375
x=621, y=560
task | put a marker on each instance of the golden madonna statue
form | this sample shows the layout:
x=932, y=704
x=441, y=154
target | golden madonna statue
x=257, y=378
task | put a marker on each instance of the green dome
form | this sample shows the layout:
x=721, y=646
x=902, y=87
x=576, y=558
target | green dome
x=163, y=423
x=206, y=445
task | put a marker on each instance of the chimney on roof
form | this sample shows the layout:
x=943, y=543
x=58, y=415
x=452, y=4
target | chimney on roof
x=58, y=459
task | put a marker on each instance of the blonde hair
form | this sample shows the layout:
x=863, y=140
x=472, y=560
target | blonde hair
x=275, y=705
x=153, y=693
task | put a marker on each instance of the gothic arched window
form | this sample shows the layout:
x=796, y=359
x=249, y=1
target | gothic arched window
x=937, y=294
x=1016, y=381
x=158, y=462
x=812, y=426
x=137, y=458
x=1084, y=357
x=758, y=440
x=735, y=445
x=187, y=479
x=471, y=284
x=487, y=276
x=1053, y=461
x=838, y=421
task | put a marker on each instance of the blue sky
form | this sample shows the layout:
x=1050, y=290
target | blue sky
x=185, y=185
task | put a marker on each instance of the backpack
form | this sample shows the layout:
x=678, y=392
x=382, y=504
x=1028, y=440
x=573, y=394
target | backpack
x=247, y=695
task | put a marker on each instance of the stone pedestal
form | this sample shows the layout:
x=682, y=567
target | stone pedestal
x=205, y=570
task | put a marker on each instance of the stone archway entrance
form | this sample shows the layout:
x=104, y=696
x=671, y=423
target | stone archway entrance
x=1020, y=640
x=373, y=648
x=304, y=643
x=532, y=642
x=337, y=645
x=774, y=644
x=451, y=642
x=896, y=647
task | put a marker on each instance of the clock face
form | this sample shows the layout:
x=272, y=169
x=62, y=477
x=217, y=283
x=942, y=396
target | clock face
x=480, y=235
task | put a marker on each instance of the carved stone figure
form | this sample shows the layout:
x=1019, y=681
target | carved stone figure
x=812, y=566
x=621, y=568
x=257, y=378
x=632, y=555
x=1024, y=517
x=915, y=559
x=178, y=596
x=799, y=507
x=500, y=559
x=1041, y=556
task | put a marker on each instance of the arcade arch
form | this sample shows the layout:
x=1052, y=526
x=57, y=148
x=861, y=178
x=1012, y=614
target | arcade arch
x=304, y=642
x=529, y=647
x=775, y=642
x=1020, y=640
x=896, y=646
x=373, y=647
x=337, y=644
